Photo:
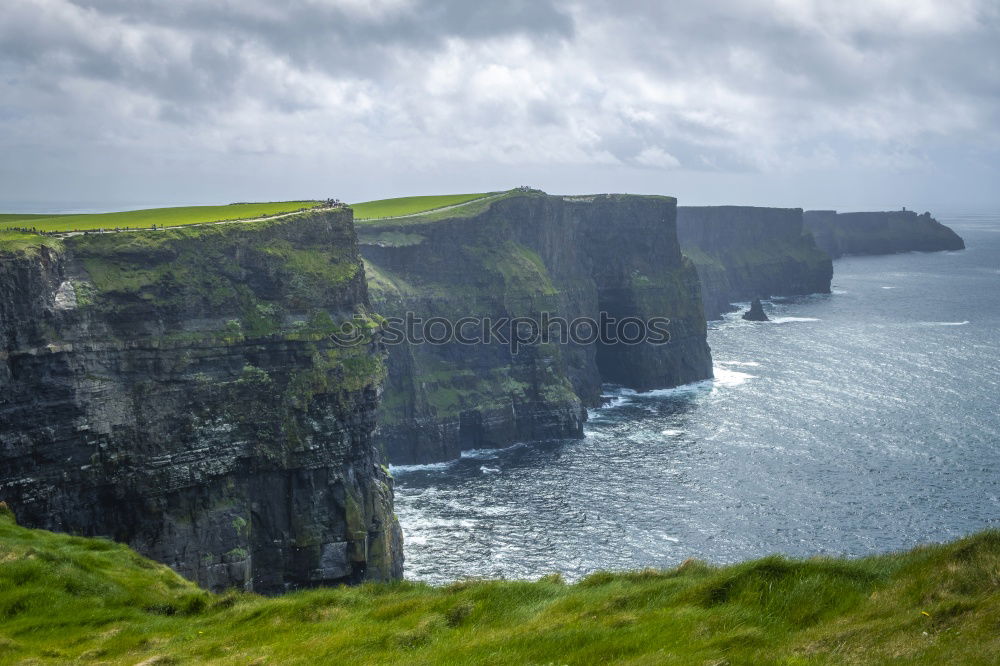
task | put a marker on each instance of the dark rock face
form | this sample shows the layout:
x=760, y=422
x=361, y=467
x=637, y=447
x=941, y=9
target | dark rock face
x=756, y=312
x=520, y=255
x=178, y=391
x=888, y=232
x=742, y=252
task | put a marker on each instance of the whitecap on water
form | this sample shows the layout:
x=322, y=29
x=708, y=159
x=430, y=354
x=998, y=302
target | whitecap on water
x=488, y=454
x=615, y=398
x=429, y=467
x=749, y=364
x=489, y=470
x=672, y=432
x=417, y=524
x=729, y=378
x=788, y=320
x=724, y=377
x=683, y=388
x=944, y=323
x=884, y=287
x=617, y=401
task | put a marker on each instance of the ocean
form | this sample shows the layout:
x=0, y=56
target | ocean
x=857, y=422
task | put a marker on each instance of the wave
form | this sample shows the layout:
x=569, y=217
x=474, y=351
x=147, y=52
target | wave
x=729, y=378
x=788, y=320
x=617, y=401
x=428, y=467
x=884, y=287
x=838, y=292
x=677, y=390
x=489, y=470
x=416, y=540
x=615, y=397
x=488, y=454
x=724, y=377
x=672, y=432
x=944, y=323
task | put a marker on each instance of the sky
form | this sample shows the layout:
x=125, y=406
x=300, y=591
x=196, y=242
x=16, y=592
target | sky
x=848, y=104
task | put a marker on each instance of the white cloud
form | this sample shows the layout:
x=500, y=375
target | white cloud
x=658, y=158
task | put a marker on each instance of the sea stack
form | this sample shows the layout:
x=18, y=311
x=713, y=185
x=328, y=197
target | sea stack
x=756, y=312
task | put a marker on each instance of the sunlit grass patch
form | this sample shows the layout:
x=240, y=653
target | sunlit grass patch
x=409, y=205
x=160, y=217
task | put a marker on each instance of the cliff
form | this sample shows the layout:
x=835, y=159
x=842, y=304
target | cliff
x=180, y=391
x=745, y=252
x=522, y=254
x=886, y=232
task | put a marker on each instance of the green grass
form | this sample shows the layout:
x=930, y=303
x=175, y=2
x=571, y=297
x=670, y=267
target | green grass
x=428, y=208
x=184, y=215
x=23, y=217
x=409, y=205
x=161, y=217
x=66, y=599
x=17, y=242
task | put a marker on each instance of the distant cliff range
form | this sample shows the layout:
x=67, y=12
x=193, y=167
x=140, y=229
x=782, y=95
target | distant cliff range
x=747, y=252
x=887, y=232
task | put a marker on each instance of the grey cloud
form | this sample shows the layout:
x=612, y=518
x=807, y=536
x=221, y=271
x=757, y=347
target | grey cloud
x=331, y=38
x=189, y=51
x=733, y=86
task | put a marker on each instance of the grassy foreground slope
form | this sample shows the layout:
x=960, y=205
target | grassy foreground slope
x=161, y=217
x=68, y=599
x=409, y=205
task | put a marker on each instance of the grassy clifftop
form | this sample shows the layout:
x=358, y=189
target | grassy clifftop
x=65, y=599
x=187, y=215
x=161, y=217
x=415, y=211
x=410, y=205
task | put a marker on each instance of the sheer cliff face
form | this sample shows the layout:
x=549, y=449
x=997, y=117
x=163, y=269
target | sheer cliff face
x=521, y=255
x=887, y=232
x=179, y=391
x=744, y=252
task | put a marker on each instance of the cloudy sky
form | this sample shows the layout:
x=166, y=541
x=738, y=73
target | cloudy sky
x=833, y=103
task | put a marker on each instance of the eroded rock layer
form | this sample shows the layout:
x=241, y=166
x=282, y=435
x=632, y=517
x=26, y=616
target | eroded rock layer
x=180, y=391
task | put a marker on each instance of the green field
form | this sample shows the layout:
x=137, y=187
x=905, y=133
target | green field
x=409, y=205
x=161, y=217
x=23, y=217
x=184, y=215
x=67, y=599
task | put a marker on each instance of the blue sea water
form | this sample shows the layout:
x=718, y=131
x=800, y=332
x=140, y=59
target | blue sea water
x=862, y=421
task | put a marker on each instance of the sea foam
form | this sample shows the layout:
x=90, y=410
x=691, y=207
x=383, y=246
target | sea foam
x=429, y=467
